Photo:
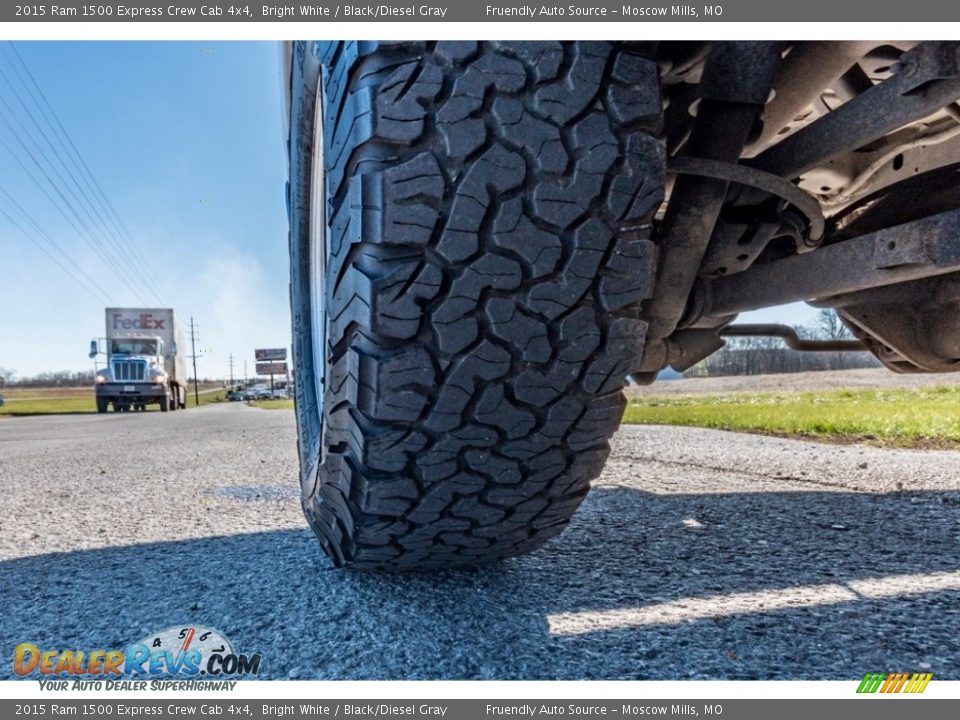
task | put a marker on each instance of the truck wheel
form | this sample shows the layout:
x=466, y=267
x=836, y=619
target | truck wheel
x=470, y=247
x=164, y=403
x=102, y=404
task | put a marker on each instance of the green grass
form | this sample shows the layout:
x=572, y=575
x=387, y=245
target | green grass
x=206, y=398
x=911, y=417
x=59, y=404
x=281, y=404
x=50, y=406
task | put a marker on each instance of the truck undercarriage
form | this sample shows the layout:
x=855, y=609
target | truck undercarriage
x=823, y=172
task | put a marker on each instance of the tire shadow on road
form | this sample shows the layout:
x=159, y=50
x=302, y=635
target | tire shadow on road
x=766, y=585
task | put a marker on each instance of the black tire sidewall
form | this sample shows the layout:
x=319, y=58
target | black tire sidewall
x=304, y=78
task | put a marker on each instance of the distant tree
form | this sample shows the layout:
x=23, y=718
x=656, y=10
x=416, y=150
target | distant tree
x=7, y=375
x=58, y=378
x=830, y=327
x=767, y=355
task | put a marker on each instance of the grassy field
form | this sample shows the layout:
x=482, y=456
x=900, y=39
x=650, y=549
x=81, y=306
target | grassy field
x=49, y=405
x=70, y=401
x=19, y=393
x=210, y=396
x=280, y=404
x=902, y=417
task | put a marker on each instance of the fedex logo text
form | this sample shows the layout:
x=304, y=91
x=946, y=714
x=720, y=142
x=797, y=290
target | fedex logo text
x=146, y=321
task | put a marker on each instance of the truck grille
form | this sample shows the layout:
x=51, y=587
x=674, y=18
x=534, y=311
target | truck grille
x=129, y=370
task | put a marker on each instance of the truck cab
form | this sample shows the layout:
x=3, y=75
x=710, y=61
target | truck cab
x=134, y=375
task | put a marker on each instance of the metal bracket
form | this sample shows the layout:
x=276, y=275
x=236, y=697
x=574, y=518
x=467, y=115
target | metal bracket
x=929, y=61
x=889, y=254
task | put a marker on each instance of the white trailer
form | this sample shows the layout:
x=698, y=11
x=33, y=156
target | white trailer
x=145, y=364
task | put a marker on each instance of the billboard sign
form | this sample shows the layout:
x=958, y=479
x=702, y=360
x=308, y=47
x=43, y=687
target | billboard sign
x=265, y=354
x=271, y=368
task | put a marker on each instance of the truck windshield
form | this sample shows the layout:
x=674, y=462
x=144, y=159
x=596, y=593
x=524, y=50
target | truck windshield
x=133, y=346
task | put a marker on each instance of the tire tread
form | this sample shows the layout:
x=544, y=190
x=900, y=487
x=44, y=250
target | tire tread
x=489, y=219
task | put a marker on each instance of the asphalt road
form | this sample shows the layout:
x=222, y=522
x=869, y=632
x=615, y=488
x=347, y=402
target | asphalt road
x=699, y=554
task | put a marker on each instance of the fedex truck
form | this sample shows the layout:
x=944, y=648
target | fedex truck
x=144, y=361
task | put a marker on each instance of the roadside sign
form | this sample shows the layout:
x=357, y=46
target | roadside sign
x=271, y=368
x=270, y=354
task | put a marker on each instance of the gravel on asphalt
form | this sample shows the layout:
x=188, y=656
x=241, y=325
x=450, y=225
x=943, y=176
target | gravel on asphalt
x=698, y=554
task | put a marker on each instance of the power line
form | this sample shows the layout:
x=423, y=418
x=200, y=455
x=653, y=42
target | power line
x=137, y=257
x=95, y=217
x=30, y=219
x=95, y=221
x=45, y=157
x=78, y=161
x=88, y=237
x=91, y=289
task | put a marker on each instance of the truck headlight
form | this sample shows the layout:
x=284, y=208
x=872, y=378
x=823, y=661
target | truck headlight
x=101, y=379
x=159, y=379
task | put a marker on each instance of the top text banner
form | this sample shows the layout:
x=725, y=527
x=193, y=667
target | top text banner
x=474, y=11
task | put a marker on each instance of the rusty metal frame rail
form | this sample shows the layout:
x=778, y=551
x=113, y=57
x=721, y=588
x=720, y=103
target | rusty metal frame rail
x=928, y=80
x=920, y=249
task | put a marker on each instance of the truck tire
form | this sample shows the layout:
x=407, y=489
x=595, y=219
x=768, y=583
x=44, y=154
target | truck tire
x=468, y=263
x=164, y=403
x=102, y=405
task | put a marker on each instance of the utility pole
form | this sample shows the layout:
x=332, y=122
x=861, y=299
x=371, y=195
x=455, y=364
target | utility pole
x=231, y=371
x=193, y=349
x=245, y=376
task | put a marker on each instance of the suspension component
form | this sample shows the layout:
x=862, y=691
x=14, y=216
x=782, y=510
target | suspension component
x=791, y=339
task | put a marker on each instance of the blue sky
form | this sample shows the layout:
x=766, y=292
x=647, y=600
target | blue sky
x=186, y=141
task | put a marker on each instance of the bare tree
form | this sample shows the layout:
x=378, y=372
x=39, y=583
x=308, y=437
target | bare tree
x=829, y=325
x=765, y=355
x=59, y=378
x=7, y=375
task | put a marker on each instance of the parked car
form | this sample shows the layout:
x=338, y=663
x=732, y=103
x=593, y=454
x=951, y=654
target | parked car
x=258, y=393
x=234, y=396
